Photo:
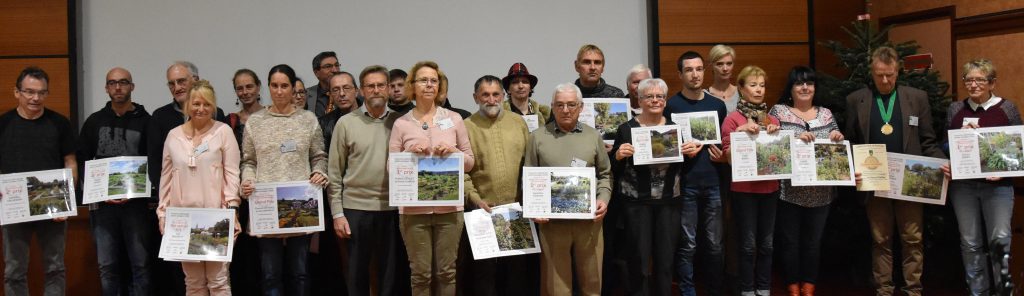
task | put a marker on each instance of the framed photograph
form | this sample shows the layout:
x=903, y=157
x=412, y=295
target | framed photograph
x=39, y=195
x=762, y=156
x=986, y=152
x=559, y=192
x=605, y=115
x=916, y=178
x=115, y=178
x=286, y=207
x=502, y=232
x=872, y=163
x=198, y=234
x=702, y=126
x=657, y=144
x=822, y=163
x=419, y=181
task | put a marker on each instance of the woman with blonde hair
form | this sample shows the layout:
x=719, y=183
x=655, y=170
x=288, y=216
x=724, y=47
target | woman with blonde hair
x=431, y=234
x=721, y=57
x=753, y=202
x=200, y=170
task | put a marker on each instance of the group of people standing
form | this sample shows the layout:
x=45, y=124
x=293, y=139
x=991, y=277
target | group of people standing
x=337, y=134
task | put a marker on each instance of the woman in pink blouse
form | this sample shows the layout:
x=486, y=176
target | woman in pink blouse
x=431, y=234
x=200, y=170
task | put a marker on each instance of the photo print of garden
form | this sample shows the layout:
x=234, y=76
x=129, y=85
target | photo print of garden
x=570, y=193
x=1000, y=152
x=296, y=208
x=704, y=128
x=665, y=144
x=209, y=235
x=922, y=179
x=127, y=177
x=608, y=117
x=773, y=155
x=438, y=178
x=512, y=230
x=833, y=162
x=48, y=194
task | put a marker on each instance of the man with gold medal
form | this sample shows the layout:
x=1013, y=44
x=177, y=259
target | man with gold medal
x=899, y=117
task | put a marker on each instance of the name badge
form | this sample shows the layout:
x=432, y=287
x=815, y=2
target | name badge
x=913, y=121
x=973, y=120
x=445, y=124
x=288, y=146
x=202, y=148
x=578, y=163
x=531, y=122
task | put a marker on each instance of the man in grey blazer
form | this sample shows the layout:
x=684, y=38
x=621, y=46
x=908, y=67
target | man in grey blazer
x=899, y=117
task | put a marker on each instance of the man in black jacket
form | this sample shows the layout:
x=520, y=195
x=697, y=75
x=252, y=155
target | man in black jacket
x=122, y=227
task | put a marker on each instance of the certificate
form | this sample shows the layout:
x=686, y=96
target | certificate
x=762, y=156
x=286, y=207
x=986, y=152
x=115, y=178
x=559, y=192
x=916, y=178
x=870, y=161
x=419, y=181
x=198, y=234
x=657, y=144
x=699, y=126
x=39, y=195
x=605, y=115
x=822, y=163
x=502, y=232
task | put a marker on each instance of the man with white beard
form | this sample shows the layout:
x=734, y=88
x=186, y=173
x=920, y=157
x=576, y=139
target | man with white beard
x=498, y=138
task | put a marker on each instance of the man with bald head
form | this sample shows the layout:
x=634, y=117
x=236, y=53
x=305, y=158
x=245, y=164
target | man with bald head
x=180, y=77
x=119, y=226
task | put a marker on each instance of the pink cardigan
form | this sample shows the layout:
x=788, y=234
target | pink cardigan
x=212, y=183
x=733, y=121
x=408, y=131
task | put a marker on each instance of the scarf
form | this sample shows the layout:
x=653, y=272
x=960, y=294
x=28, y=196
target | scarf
x=756, y=112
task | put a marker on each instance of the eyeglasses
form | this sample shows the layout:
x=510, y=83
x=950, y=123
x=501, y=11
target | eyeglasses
x=659, y=97
x=34, y=93
x=299, y=94
x=976, y=81
x=179, y=81
x=803, y=83
x=330, y=66
x=346, y=88
x=122, y=83
x=375, y=86
x=428, y=81
x=570, y=106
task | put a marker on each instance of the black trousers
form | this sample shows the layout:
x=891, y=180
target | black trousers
x=652, y=231
x=800, y=230
x=375, y=235
x=755, y=226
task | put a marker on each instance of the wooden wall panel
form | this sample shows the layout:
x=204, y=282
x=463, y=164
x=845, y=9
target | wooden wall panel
x=36, y=27
x=1004, y=52
x=935, y=37
x=964, y=8
x=692, y=21
x=776, y=60
x=829, y=18
x=56, y=69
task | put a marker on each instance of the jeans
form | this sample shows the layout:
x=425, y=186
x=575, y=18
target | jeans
x=702, y=197
x=650, y=241
x=272, y=254
x=800, y=230
x=17, y=238
x=755, y=227
x=983, y=211
x=124, y=229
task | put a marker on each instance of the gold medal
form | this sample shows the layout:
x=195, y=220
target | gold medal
x=887, y=129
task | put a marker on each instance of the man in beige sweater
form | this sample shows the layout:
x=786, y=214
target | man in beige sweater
x=357, y=170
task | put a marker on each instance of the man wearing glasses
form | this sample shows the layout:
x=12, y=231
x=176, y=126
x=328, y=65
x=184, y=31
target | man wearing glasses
x=318, y=97
x=33, y=138
x=120, y=226
x=180, y=77
x=568, y=143
x=343, y=97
